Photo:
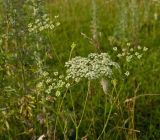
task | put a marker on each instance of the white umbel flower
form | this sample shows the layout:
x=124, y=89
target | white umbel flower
x=93, y=67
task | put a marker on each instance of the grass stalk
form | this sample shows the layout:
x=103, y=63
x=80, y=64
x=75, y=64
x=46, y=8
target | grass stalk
x=110, y=111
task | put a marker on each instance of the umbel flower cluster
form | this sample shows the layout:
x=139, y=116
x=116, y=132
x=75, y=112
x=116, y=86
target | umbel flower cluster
x=130, y=54
x=92, y=67
x=42, y=24
x=52, y=85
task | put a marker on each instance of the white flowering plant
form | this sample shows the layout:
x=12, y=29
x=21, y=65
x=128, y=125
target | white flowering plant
x=23, y=53
x=49, y=84
x=42, y=24
x=127, y=55
x=95, y=66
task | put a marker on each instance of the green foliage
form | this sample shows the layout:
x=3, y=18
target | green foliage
x=57, y=76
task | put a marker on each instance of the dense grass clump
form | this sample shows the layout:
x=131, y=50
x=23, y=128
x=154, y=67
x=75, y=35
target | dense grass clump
x=79, y=69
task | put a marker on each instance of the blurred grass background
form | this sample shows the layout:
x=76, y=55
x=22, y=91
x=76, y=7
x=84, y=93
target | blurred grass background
x=76, y=17
x=137, y=22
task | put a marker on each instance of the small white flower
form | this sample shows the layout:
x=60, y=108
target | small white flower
x=136, y=53
x=124, y=49
x=145, y=49
x=55, y=73
x=128, y=44
x=58, y=93
x=128, y=58
x=131, y=49
x=48, y=91
x=58, y=23
x=37, y=20
x=45, y=16
x=48, y=80
x=115, y=48
x=56, y=16
x=77, y=80
x=39, y=24
x=139, y=47
x=29, y=25
x=39, y=85
x=53, y=84
x=67, y=85
x=45, y=73
x=52, y=26
x=119, y=55
x=30, y=29
x=50, y=22
x=139, y=56
x=50, y=87
x=127, y=73
x=41, y=28
x=61, y=76
x=47, y=19
x=46, y=26
x=123, y=54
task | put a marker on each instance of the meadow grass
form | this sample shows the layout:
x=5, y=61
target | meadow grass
x=36, y=101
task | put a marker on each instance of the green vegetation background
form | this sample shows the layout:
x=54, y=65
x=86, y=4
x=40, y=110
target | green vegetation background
x=76, y=17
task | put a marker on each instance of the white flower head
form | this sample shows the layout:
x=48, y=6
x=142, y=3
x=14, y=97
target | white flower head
x=93, y=67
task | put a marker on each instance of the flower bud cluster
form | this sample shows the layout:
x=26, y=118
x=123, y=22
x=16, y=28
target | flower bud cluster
x=52, y=85
x=130, y=52
x=43, y=23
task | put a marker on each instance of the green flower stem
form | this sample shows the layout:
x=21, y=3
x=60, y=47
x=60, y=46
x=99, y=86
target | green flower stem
x=59, y=108
x=84, y=108
x=110, y=111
